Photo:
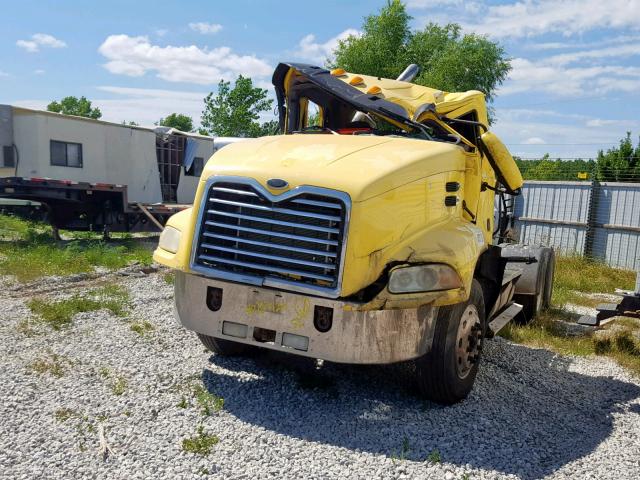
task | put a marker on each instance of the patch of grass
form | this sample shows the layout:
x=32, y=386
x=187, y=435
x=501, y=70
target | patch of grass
x=201, y=443
x=404, y=451
x=434, y=456
x=142, y=328
x=626, y=344
x=53, y=364
x=59, y=314
x=580, y=274
x=64, y=414
x=169, y=278
x=207, y=401
x=183, y=403
x=546, y=332
x=117, y=383
x=28, y=251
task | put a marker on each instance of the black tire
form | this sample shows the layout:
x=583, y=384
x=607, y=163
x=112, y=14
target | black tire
x=532, y=305
x=222, y=347
x=438, y=372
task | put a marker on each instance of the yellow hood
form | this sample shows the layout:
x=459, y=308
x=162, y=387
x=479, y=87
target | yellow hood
x=362, y=166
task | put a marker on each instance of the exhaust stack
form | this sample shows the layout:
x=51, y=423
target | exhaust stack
x=409, y=73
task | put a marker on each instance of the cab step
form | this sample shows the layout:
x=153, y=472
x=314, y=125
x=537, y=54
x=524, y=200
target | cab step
x=504, y=317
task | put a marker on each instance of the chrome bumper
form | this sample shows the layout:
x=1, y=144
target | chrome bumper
x=356, y=336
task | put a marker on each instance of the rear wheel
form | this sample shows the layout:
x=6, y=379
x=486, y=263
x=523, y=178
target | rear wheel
x=446, y=374
x=224, y=347
x=532, y=305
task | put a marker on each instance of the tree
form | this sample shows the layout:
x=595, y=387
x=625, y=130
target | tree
x=620, y=164
x=235, y=112
x=182, y=122
x=449, y=60
x=80, y=107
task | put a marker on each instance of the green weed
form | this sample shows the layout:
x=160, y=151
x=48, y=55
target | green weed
x=434, y=456
x=59, y=314
x=200, y=444
x=142, y=328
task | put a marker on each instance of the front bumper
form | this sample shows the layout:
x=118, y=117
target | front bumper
x=356, y=336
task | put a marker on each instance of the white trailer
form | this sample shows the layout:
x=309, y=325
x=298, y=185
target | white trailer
x=97, y=175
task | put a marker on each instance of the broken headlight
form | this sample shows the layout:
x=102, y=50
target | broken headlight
x=423, y=278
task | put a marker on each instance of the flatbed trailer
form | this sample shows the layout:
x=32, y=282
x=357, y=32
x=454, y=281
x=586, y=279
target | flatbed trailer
x=99, y=207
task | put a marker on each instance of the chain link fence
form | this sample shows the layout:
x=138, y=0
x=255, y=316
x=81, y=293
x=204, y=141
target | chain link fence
x=583, y=207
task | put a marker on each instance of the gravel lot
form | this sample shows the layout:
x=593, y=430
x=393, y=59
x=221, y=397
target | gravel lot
x=533, y=414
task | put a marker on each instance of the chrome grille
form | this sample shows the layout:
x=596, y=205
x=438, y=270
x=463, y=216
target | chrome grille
x=295, y=238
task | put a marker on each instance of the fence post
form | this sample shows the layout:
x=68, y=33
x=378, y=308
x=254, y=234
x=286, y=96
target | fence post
x=591, y=218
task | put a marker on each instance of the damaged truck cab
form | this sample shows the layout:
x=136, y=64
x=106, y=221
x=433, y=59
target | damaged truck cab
x=365, y=233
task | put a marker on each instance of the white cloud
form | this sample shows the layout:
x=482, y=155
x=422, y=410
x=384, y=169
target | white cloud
x=39, y=40
x=205, y=28
x=161, y=32
x=553, y=76
x=3, y=74
x=311, y=50
x=570, y=17
x=565, y=134
x=39, y=71
x=135, y=56
x=27, y=45
x=578, y=45
x=146, y=106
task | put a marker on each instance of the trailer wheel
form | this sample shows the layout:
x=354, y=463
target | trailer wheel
x=533, y=304
x=222, y=347
x=446, y=374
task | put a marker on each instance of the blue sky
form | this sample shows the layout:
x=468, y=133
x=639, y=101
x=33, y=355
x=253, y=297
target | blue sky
x=574, y=88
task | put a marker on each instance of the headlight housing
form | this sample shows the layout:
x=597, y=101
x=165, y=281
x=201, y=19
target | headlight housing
x=170, y=239
x=423, y=278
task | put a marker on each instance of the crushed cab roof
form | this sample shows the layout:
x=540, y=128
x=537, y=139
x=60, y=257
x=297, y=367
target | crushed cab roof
x=396, y=98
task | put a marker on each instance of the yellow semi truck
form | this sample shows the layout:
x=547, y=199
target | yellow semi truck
x=365, y=233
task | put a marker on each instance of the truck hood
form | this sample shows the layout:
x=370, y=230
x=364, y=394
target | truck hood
x=363, y=166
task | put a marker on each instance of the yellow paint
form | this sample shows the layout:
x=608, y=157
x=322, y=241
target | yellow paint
x=301, y=313
x=397, y=190
x=504, y=161
x=583, y=175
x=262, y=307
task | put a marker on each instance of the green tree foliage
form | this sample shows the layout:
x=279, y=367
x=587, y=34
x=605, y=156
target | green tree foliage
x=547, y=169
x=182, y=122
x=80, y=107
x=620, y=164
x=235, y=112
x=449, y=60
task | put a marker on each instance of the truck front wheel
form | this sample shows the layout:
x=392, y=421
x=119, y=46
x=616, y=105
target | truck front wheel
x=446, y=374
x=224, y=347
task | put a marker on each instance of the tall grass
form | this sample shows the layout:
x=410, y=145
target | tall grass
x=574, y=277
x=28, y=251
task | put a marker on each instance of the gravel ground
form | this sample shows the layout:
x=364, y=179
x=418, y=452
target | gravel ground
x=533, y=414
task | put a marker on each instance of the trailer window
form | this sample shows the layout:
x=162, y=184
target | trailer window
x=196, y=167
x=9, y=157
x=66, y=154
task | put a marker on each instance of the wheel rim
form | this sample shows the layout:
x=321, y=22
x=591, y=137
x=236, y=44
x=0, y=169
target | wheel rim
x=468, y=341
